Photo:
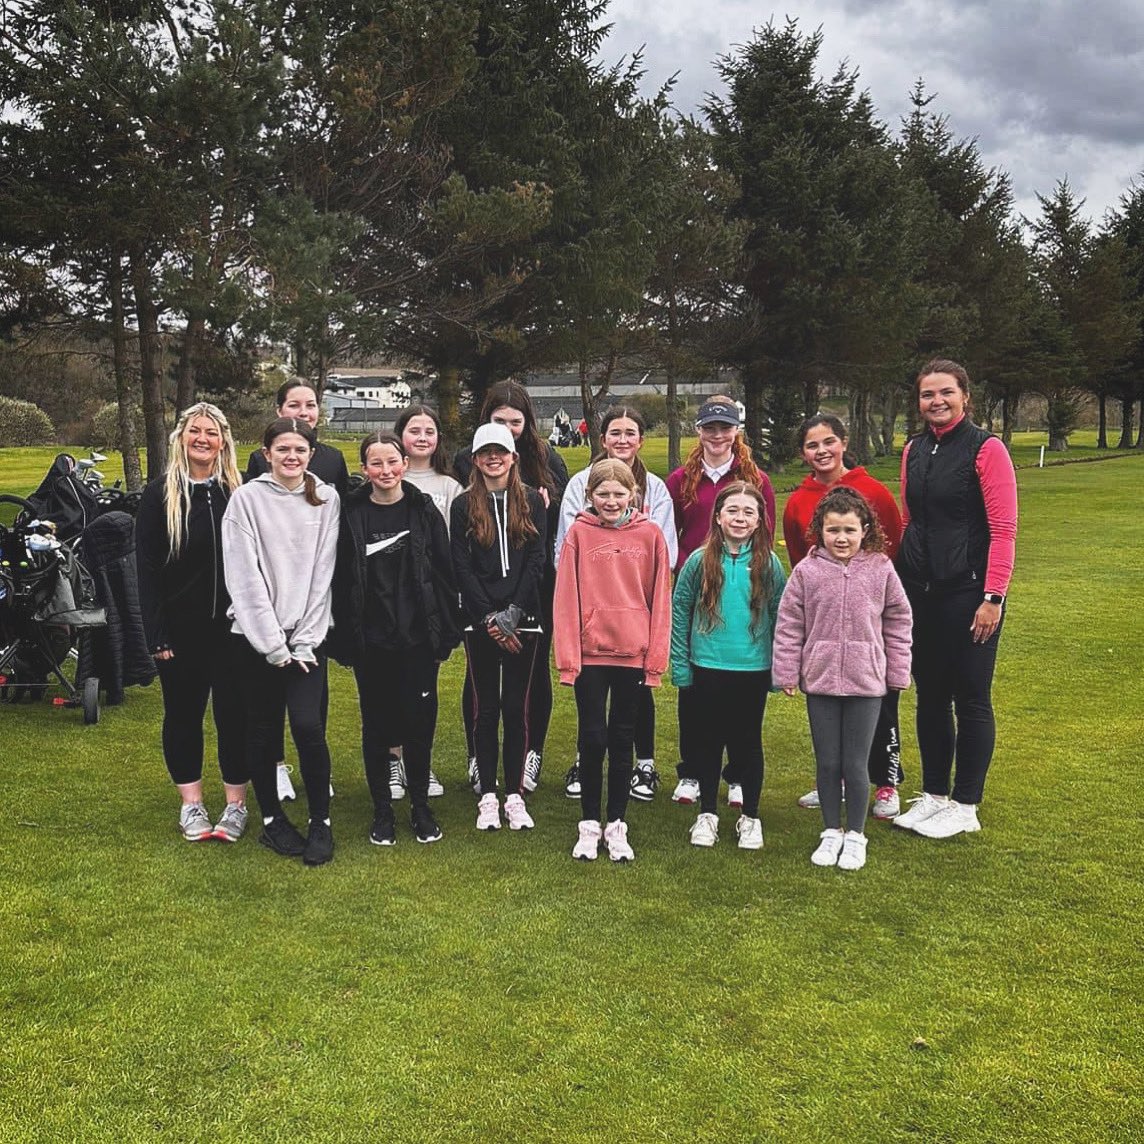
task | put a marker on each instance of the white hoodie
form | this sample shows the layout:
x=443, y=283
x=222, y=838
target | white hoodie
x=278, y=558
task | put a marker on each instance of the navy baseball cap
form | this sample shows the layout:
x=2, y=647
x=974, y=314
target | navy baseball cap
x=711, y=412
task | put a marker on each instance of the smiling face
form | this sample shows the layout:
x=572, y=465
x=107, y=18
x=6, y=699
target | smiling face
x=621, y=439
x=941, y=399
x=384, y=467
x=288, y=455
x=202, y=439
x=512, y=419
x=302, y=404
x=717, y=439
x=611, y=500
x=494, y=464
x=822, y=450
x=738, y=519
x=420, y=440
x=842, y=534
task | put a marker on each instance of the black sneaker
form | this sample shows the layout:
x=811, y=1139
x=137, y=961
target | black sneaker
x=645, y=779
x=381, y=833
x=319, y=845
x=425, y=827
x=280, y=836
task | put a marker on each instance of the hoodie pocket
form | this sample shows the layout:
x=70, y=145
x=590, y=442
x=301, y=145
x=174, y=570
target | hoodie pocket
x=820, y=667
x=616, y=632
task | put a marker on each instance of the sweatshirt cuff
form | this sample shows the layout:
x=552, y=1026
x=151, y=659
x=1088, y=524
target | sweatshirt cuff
x=278, y=656
x=303, y=652
x=652, y=678
x=569, y=676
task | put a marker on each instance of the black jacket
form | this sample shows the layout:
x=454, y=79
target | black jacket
x=484, y=584
x=945, y=546
x=180, y=595
x=327, y=464
x=434, y=594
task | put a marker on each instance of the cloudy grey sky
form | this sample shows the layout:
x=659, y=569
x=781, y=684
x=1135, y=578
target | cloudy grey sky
x=1050, y=88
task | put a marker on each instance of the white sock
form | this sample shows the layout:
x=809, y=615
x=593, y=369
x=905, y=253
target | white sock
x=644, y=763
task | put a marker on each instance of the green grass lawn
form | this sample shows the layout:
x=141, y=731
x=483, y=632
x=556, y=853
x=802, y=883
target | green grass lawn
x=488, y=987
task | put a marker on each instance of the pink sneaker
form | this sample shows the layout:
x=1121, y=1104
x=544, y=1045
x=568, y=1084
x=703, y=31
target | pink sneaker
x=488, y=812
x=616, y=841
x=588, y=843
x=517, y=813
x=886, y=802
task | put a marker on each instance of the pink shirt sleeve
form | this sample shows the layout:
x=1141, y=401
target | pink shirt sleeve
x=999, y=491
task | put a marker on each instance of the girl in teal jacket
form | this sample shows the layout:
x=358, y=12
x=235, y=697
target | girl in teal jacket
x=722, y=629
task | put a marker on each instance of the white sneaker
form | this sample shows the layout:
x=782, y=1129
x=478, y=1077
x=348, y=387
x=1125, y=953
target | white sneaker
x=829, y=848
x=517, y=813
x=750, y=832
x=616, y=841
x=285, y=786
x=572, y=780
x=588, y=843
x=488, y=812
x=396, y=778
x=923, y=807
x=194, y=822
x=436, y=789
x=735, y=795
x=953, y=818
x=686, y=792
x=474, y=775
x=705, y=832
x=809, y=801
x=853, y=856
x=532, y=765
x=886, y=802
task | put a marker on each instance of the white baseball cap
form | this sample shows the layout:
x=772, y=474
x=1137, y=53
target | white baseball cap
x=493, y=434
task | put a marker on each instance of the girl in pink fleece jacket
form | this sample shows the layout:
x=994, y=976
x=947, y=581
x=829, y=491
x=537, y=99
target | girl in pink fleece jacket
x=612, y=635
x=843, y=636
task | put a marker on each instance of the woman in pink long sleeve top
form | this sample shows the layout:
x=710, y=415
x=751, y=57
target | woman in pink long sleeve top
x=959, y=504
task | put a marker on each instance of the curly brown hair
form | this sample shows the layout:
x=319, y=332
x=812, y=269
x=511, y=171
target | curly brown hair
x=842, y=500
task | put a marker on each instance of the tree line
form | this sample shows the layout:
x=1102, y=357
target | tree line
x=462, y=183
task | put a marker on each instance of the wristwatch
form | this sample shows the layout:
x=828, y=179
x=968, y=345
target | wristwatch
x=994, y=598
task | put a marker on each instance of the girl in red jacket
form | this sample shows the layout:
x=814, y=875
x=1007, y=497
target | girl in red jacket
x=822, y=442
x=843, y=636
x=612, y=633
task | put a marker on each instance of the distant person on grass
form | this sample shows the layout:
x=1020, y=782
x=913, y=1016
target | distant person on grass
x=296, y=398
x=280, y=535
x=822, y=443
x=843, y=637
x=499, y=554
x=721, y=458
x=183, y=596
x=722, y=628
x=612, y=638
x=621, y=438
x=394, y=597
x=959, y=503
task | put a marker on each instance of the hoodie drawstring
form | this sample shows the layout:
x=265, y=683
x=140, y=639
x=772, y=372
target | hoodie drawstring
x=502, y=534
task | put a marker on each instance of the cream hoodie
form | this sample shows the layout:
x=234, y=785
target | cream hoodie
x=278, y=556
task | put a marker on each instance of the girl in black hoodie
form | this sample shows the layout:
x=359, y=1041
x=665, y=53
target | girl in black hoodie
x=498, y=534
x=394, y=598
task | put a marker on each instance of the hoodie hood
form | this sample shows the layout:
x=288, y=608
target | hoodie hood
x=589, y=517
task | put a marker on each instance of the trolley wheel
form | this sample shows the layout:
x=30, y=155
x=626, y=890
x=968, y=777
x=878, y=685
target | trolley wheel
x=91, y=700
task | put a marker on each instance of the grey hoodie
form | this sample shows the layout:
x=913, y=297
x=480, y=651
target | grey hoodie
x=278, y=555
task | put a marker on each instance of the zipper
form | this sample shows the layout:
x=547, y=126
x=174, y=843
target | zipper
x=214, y=557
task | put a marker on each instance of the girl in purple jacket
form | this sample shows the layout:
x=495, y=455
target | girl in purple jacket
x=843, y=636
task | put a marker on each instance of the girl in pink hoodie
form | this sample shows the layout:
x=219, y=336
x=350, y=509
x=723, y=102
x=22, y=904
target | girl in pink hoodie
x=843, y=636
x=612, y=634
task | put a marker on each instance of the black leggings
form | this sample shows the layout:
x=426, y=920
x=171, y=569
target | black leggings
x=268, y=689
x=499, y=683
x=609, y=729
x=692, y=728
x=204, y=666
x=397, y=694
x=884, y=767
x=954, y=676
x=733, y=703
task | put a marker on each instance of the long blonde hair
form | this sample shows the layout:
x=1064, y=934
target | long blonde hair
x=177, y=482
